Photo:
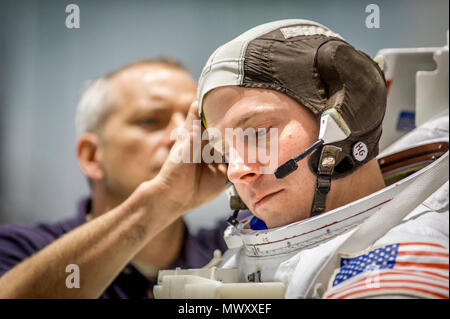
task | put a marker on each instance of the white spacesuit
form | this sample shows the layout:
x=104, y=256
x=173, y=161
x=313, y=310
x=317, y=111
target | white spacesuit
x=293, y=254
x=392, y=243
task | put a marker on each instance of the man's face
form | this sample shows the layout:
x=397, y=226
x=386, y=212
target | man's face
x=276, y=201
x=151, y=101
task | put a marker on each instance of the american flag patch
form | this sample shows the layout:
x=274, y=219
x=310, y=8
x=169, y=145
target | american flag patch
x=413, y=269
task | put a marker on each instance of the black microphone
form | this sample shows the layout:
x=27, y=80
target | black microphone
x=291, y=165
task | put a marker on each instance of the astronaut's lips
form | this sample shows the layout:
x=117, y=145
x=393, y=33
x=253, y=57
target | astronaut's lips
x=265, y=198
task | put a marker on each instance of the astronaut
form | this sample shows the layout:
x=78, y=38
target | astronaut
x=337, y=219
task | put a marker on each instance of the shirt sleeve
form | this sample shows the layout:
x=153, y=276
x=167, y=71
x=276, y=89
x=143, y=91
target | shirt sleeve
x=198, y=248
x=16, y=244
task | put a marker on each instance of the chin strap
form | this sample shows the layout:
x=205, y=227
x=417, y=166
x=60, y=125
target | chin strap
x=325, y=169
x=236, y=204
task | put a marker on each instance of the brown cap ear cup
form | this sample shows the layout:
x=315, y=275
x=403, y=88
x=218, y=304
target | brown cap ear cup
x=356, y=88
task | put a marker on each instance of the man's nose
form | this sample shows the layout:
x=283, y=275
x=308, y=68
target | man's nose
x=242, y=170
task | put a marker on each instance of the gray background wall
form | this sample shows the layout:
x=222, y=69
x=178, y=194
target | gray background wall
x=43, y=66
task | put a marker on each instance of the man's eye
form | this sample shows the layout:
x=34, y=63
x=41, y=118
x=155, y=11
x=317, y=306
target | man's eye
x=148, y=122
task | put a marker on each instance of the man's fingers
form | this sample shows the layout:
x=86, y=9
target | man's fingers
x=192, y=115
x=222, y=168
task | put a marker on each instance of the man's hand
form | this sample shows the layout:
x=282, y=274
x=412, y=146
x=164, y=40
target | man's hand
x=102, y=247
x=191, y=184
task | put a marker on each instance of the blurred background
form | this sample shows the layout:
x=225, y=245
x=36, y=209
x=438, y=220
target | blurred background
x=44, y=66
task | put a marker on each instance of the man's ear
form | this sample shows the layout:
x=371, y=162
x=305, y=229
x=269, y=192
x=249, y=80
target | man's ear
x=88, y=154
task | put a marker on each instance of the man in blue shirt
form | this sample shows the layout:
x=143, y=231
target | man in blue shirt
x=124, y=123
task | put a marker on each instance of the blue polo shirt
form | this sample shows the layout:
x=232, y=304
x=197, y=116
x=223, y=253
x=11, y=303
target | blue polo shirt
x=18, y=242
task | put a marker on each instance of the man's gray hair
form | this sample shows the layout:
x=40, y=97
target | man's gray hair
x=94, y=106
x=96, y=102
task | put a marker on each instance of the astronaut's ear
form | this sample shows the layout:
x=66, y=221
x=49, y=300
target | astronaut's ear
x=354, y=83
x=356, y=90
x=89, y=156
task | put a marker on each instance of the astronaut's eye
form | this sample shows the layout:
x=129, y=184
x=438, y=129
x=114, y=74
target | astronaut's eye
x=262, y=132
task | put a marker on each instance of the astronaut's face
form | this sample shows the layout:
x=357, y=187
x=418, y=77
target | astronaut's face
x=276, y=201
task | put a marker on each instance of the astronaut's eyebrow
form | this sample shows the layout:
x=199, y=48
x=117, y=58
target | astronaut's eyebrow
x=242, y=121
x=251, y=115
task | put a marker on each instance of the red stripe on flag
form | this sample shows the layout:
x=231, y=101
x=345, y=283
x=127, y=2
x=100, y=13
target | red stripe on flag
x=427, y=265
x=396, y=288
x=429, y=273
x=391, y=280
x=422, y=253
x=359, y=284
x=422, y=244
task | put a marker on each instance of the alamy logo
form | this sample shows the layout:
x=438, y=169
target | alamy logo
x=73, y=17
x=238, y=146
x=73, y=280
x=373, y=19
x=373, y=281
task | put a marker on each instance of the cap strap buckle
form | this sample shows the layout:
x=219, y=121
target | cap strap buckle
x=325, y=169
